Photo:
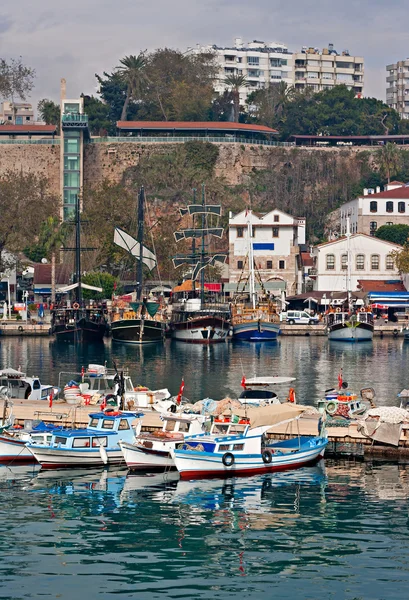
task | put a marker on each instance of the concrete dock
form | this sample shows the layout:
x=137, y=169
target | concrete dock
x=343, y=441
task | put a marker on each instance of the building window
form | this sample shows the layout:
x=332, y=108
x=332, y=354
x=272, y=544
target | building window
x=344, y=262
x=401, y=207
x=360, y=262
x=330, y=260
x=375, y=260
x=240, y=231
x=277, y=218
x=275, y=231
x=269, y=264
x=373, y=206
x=253, y=60
x=253, y=231
x=72, y=179
x=70, y=197
x=390, y=263
x=373, y=226
x=389, y=207
x=240, y=264
x=281, y=264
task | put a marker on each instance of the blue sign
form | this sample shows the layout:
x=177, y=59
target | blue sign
x=262, y=246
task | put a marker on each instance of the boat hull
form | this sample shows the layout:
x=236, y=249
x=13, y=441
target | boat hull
x=201, y=330
x=14, y=451
x=83, y=330
x=362, y=332
x=194, y=465
x=56, y=458
x=138, y=331
x=256, y=331
x=140, y=459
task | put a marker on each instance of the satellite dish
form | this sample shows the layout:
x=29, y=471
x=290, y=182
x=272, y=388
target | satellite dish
x=44, y=261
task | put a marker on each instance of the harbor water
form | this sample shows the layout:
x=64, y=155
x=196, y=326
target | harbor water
x=335, y=531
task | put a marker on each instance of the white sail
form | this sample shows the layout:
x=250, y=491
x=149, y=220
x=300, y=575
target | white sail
x=126, y=241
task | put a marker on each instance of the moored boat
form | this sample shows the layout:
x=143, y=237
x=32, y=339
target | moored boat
x=232, y=449
x=256, y=392
x=346, y=327
x=17, y=385
x=153, y=450
x=13, y=442
x=198, y=323
x=97, y=445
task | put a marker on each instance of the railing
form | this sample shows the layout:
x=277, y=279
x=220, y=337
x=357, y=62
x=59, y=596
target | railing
x=75, y=118
x=52, y=142
x=182, y=140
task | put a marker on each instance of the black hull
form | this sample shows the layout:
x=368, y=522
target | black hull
x=138, y=331
x=81, y=331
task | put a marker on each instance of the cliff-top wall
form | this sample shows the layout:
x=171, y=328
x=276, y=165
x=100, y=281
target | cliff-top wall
x=43, y=160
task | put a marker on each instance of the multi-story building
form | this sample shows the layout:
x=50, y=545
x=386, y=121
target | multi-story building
x=276, y=240
x=371, y=259
x=323, y=69
x=397, y=90
x=375, y=208
x=18, y=113
x=261, y=63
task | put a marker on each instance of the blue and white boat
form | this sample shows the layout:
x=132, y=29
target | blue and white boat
x=242, y=448
x=95, y=446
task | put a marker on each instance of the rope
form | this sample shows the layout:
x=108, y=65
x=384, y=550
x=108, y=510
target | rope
x=152, y=240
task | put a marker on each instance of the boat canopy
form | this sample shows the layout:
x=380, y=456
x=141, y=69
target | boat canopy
x=11, y=373
x=274, y=414
x=264, y=381
x=73, y=286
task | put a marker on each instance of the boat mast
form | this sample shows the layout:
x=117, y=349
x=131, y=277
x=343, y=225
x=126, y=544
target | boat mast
x=139, y=269
x=252, y=287
x=348, y=236
x=78, y=251
x=193, y=245
x=202, y=252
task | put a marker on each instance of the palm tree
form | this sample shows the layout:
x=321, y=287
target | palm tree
x=132, y=71
x=235, y=81
x=53, y=233
x=389, y=159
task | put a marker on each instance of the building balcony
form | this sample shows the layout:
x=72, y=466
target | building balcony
x=74, y=121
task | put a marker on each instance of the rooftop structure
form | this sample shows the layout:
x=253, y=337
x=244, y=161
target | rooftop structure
x=18, y=113
x=397, y=90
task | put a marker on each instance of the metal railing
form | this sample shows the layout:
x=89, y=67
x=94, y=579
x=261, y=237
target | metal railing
x=75, y=118
x=52, y=142
x=184, y=139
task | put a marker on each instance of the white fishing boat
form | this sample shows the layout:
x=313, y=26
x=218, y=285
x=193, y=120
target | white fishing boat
x=152, y=450
x=242, y=449
x=97, y=445
x=17, y=385
x=13, y=442
x=256, y=390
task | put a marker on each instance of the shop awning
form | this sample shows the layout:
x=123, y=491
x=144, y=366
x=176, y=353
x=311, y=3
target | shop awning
x=269, y=286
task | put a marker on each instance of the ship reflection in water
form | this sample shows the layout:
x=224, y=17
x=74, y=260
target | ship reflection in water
x=333, y=527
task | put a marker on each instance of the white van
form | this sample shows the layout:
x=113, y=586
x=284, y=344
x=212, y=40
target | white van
x=300, y=317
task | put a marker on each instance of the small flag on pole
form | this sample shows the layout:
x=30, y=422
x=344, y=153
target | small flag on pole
x=340, y=379
x=103, y=404
x=179, y=396
x=50, y=399
x=243, y=382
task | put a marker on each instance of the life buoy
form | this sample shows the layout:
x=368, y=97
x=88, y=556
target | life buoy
x=114, y=413
x=20, y=328
x=291, y=395
x=267, y=456
x=75, y=306
x=331, y=408
x=228, y=459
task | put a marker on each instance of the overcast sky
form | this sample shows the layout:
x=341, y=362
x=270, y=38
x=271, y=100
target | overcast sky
x=85, y=37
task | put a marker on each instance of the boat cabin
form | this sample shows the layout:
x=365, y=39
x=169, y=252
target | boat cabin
x=342, y=317
x=175, y=428
x=104, y=429
x=17, y=385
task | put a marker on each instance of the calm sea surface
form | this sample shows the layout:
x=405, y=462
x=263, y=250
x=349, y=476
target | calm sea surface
x=336, y=531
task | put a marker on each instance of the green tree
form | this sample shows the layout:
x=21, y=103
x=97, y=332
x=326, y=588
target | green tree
x=235, y=82
x=389, y=160
x=112, y=89
x=398, y=234
x=269, y=105
x=132, y=71
x=106, y=281
x=98, y=113
x=16, y=81
x=401, y=259
x=49, y=112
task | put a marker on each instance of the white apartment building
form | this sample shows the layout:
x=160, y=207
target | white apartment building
x=17, y=113
x=375, y=208
x=370, y=259
x=262, y=63
x=265, y=63
x=397, y=91
x=323, y=69
x=276, y=237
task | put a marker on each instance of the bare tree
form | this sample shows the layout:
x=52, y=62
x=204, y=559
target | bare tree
x=16, y=81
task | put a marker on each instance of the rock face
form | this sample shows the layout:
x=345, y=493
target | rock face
x=43, y=160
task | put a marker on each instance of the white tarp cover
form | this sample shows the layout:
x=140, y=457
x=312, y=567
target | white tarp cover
x=68, y=288
x=126, y=241
x=272, y=414
x=11, y=373
x=268, y=380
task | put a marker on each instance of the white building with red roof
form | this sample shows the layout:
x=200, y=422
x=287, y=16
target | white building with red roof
x=375, y=208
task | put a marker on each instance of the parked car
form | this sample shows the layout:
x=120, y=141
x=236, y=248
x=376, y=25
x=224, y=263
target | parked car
x=300, y=317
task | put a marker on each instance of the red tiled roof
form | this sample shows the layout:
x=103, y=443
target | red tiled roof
x=306, y=259
x=397, y=193
x=380, y=285
x=42, y=274
x=221, y=125
x=340, y=239
x=396, y=183
x=27, y=129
